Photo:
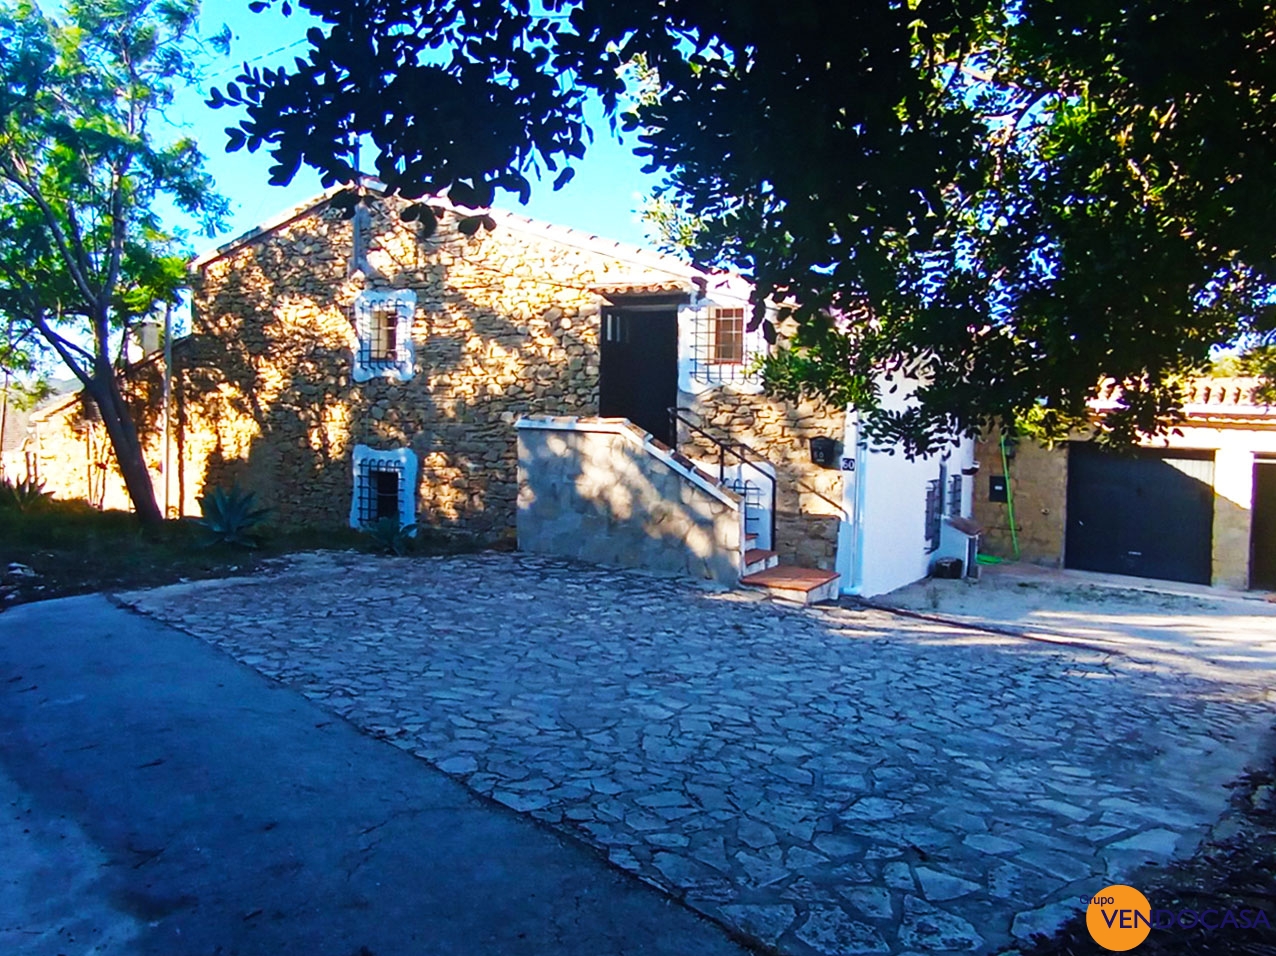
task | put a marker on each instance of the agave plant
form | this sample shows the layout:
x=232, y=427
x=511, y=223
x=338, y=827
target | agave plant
x=228, y=515
x=23, y=496
x=390, y=536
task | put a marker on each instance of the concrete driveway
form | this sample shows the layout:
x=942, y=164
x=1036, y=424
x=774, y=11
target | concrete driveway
x=1230, y=635
x=820, y=781
x=158, y=798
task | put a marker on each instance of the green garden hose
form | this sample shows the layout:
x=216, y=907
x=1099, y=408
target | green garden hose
x=1010, y=497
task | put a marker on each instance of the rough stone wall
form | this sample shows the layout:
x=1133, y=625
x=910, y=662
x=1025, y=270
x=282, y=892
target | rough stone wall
x=1039, y=480
x=505, y=326
x=1039, y=486
x=73, y=454
x=599, y=496
x=808, y=505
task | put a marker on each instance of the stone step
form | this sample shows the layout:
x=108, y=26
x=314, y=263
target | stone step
x=800, y=585
x=759, y=559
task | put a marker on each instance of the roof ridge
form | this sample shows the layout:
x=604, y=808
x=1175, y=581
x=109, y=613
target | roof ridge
x=637, y=255
x=1225, y=392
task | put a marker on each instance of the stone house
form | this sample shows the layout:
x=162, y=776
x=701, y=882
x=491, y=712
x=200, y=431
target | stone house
x=351, y=369
x=1197, y=506
x=15, y=441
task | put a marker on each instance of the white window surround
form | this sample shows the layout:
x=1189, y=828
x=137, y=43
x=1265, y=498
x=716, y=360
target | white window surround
x=403, y=366
x=402, y=460
x=695, y=326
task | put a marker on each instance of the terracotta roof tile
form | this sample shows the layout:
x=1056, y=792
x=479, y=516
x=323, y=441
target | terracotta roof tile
x=1223, y=391
x=1205, y=397
x=642, y=287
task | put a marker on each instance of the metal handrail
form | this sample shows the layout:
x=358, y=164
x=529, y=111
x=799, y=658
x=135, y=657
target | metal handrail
x=740, y=450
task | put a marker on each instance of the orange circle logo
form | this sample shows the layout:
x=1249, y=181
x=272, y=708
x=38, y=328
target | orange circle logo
x=1119, y=917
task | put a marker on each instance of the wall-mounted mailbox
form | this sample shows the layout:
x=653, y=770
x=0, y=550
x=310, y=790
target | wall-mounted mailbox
x=824, y=452
x=997, y=488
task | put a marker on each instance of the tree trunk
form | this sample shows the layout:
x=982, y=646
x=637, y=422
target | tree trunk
x=120, y=428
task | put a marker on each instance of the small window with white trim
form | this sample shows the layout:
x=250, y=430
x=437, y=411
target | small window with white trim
x=722, y=347
x=384, y=486
x=383, y=347
x=383, y=324
x=728, y=336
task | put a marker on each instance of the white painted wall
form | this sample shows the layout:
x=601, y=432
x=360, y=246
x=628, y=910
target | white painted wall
x=726, y=291
x=760, y=474
x=1235, y=448
x=882, y=544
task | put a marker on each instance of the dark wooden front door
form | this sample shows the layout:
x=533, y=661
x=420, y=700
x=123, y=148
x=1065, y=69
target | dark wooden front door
x=1262, y=552
x=1149, y=514
x=638, y=377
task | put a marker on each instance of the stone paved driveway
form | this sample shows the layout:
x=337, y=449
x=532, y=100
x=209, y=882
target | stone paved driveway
x=836, y=782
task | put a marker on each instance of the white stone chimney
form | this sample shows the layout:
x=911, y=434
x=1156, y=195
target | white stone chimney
x=146, y=338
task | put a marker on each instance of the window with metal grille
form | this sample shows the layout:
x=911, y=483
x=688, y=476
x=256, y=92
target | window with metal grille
x=383, y=323
x=380, y=491
x=934, y=512
x=718, y=352
x=385, y=491
x=954, y=495
x=728, y=336
x=384, y=486
x=383, y=340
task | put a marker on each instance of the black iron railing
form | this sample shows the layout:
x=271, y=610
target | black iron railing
x=727, y=449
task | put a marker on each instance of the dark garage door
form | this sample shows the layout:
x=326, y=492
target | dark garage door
x=1262, y=562
x=1150, y=514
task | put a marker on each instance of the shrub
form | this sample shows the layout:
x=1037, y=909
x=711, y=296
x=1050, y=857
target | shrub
x=228, y=515
x=24, y=496
x=390, y=536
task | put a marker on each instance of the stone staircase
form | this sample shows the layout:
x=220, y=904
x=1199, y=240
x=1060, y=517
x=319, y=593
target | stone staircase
x=763, y=572
x=760, y=566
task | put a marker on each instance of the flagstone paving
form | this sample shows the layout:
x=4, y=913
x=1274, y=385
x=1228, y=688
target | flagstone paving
x=823, y=781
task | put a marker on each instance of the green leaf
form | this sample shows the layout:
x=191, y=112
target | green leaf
x=563, y=178
x=80, y=103
x=1009, y=199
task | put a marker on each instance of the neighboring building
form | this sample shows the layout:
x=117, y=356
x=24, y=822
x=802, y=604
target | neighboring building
x=15, y=447
x=347, y=370
x=18, y=458
x=1197, y=506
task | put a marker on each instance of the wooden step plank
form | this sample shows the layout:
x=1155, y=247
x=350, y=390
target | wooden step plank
x=785, y=578
x=754, y=555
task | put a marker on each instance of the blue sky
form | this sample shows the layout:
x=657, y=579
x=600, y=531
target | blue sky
x=602, y=199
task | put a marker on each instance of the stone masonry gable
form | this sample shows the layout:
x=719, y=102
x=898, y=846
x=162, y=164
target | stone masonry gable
x=506, y=325
x=502, y=325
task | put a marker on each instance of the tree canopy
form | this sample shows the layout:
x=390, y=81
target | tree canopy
x=1011, y=200
x=82, y=250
